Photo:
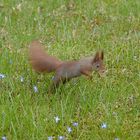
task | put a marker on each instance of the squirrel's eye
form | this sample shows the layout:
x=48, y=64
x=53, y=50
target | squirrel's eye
x=97, y=66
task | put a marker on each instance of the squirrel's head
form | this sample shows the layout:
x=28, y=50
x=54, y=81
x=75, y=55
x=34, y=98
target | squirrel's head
x=97, y=63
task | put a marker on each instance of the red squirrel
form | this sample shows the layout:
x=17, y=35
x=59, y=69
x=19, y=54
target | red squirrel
x=41, y=61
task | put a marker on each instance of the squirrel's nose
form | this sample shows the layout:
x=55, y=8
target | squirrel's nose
x=102, y=72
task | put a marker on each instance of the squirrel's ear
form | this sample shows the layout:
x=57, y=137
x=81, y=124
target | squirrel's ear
x=102, y=55
x=96, y=57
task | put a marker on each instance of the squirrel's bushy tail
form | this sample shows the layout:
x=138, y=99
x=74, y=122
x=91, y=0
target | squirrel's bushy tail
x=40, y=60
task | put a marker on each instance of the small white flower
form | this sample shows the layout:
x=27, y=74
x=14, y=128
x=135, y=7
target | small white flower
x=21, y=79
x=116, y=139
x=2, y=76
x=35, y=88
x=50, y=138
x=61, y=137
x=57, y=119
x=75, y=124
x=103, y=125
x=4, y=138
x=69, y=129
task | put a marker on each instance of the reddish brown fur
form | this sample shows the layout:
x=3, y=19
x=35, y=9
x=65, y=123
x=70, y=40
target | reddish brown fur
x=64, y=71
x=41, y=61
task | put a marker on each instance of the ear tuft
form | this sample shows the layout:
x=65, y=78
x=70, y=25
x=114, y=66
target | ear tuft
x=96, y=57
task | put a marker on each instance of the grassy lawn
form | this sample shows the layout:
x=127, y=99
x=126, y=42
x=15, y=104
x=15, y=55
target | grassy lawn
x=105, y=108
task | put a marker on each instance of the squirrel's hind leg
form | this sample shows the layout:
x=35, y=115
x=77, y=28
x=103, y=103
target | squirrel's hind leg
x=57, y=80
x=55, y=83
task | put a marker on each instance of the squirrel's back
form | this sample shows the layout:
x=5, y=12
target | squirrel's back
x=71, y=69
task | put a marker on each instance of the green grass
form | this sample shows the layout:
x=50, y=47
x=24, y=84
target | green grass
x=71, y=29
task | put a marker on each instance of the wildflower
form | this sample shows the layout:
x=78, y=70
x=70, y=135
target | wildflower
x=4, y=138
x=61, y=137
x=2, y=76
x=69, y=129
x=75, y=124
x=21, y=79
x=116, y=139
x=103, y=125
x=50, y=138
x=35, y=89
x=57, y=119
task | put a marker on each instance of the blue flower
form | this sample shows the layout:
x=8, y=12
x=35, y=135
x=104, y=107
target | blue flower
x=61, y=137
x=21, y=79
x=50, y=138
x=35, y=88
x=2, y=76
x=69, y=129
x=75, y=124
x=103, y=125
x=4, y=138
